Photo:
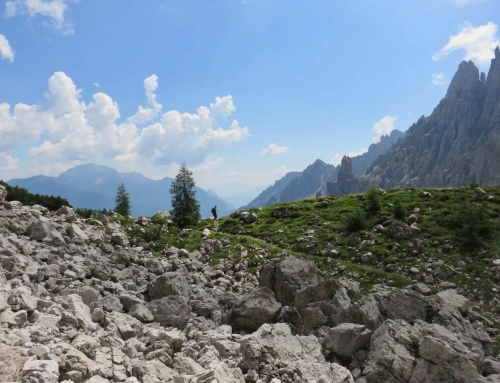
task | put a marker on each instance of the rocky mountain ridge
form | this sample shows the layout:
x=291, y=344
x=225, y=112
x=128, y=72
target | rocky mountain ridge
x=84, y=301
x=313, y=180
x=458, y=144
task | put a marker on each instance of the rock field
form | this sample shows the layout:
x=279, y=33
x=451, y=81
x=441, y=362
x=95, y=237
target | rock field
x=79, y=303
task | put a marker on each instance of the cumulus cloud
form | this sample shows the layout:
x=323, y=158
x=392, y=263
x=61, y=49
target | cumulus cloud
x=478, y=43
x=5, y=50
x=96, y=84
x=383, y=127
x=438, y=79
x=65, y=128
x=208, y=165
x=337, y=158
x=274, y=149
x=154, y=108
x=8, y=162
x=53, y=10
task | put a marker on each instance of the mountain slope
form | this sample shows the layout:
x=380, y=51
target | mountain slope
x=94, y=186
x=299, y=185
x=458, y=144
x=310, y=182
x=361, y=163
x=271, y=195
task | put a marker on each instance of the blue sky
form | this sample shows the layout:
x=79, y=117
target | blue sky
x=240, y=90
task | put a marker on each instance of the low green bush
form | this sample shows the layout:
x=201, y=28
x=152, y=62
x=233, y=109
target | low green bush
x=355, y=221
x=398, y=209
x=373, y=200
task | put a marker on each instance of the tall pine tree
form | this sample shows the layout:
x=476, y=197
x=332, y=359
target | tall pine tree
x=185, y=206
x=122, y=201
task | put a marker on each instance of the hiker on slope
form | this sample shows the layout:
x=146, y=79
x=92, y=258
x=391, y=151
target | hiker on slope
x=214, y=212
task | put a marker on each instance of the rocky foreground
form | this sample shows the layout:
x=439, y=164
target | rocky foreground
x=78, y=303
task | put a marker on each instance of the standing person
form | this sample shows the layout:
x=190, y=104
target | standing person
x=214, y=212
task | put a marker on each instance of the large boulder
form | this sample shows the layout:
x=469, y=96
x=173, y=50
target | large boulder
x=44, y=230
x=403, y=304
x=170, y=283
x=172, y=311
x=11, y=363
x=297, y=282
x=46, y=371
x=275, y=344
x=423, y=353
x=3, y=193
x=257, y=307
x=347, y=338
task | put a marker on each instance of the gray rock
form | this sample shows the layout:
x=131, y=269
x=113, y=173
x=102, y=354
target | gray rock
x=11, y=363
x=120, y=239
x=171, y=311
x=111, y=303
x=257, y=307
x=347, y=338
x=297, y=282
x=3, y=193
x=46, y=371
x=141, y=312
x=170, y=283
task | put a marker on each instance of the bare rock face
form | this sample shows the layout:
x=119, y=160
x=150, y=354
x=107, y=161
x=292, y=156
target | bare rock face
x=345, y=181
x=257, y=307
x=455, y=146
x=297, y=282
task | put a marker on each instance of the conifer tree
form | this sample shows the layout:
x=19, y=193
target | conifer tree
x=185, y=206
x=122, y=201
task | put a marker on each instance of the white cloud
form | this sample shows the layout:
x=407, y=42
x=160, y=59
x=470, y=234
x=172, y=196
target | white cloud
x=479, y=43
x=65, y=128
x=383, y=127
x=208, y=165
x=8, y=162
x=96, y=84
x=52, y=9
x=5, y=50
x=223, y=106
x=147, y=114
x=337, y=158
x=438, y=79
x=274, y=149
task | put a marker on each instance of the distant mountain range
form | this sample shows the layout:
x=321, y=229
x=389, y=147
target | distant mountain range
x=313, y=180
x=94, y=187
x=457, y=145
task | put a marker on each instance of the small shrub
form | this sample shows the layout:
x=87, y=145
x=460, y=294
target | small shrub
x=398, y=209
x=355, y=221
x=156, y=220
x=152, y=234
x=85, y=213
x=472, y=224
x=373, y=200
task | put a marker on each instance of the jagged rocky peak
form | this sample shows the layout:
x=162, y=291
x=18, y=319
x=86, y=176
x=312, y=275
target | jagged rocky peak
x=466, y=78
x=458, y=144
x=345, y=169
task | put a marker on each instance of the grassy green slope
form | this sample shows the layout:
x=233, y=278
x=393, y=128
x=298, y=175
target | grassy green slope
x=316, y=229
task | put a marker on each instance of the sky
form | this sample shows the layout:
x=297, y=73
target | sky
x=241, y=91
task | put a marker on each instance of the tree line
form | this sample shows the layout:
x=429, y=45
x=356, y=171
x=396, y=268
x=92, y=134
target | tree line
x=185, y=206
